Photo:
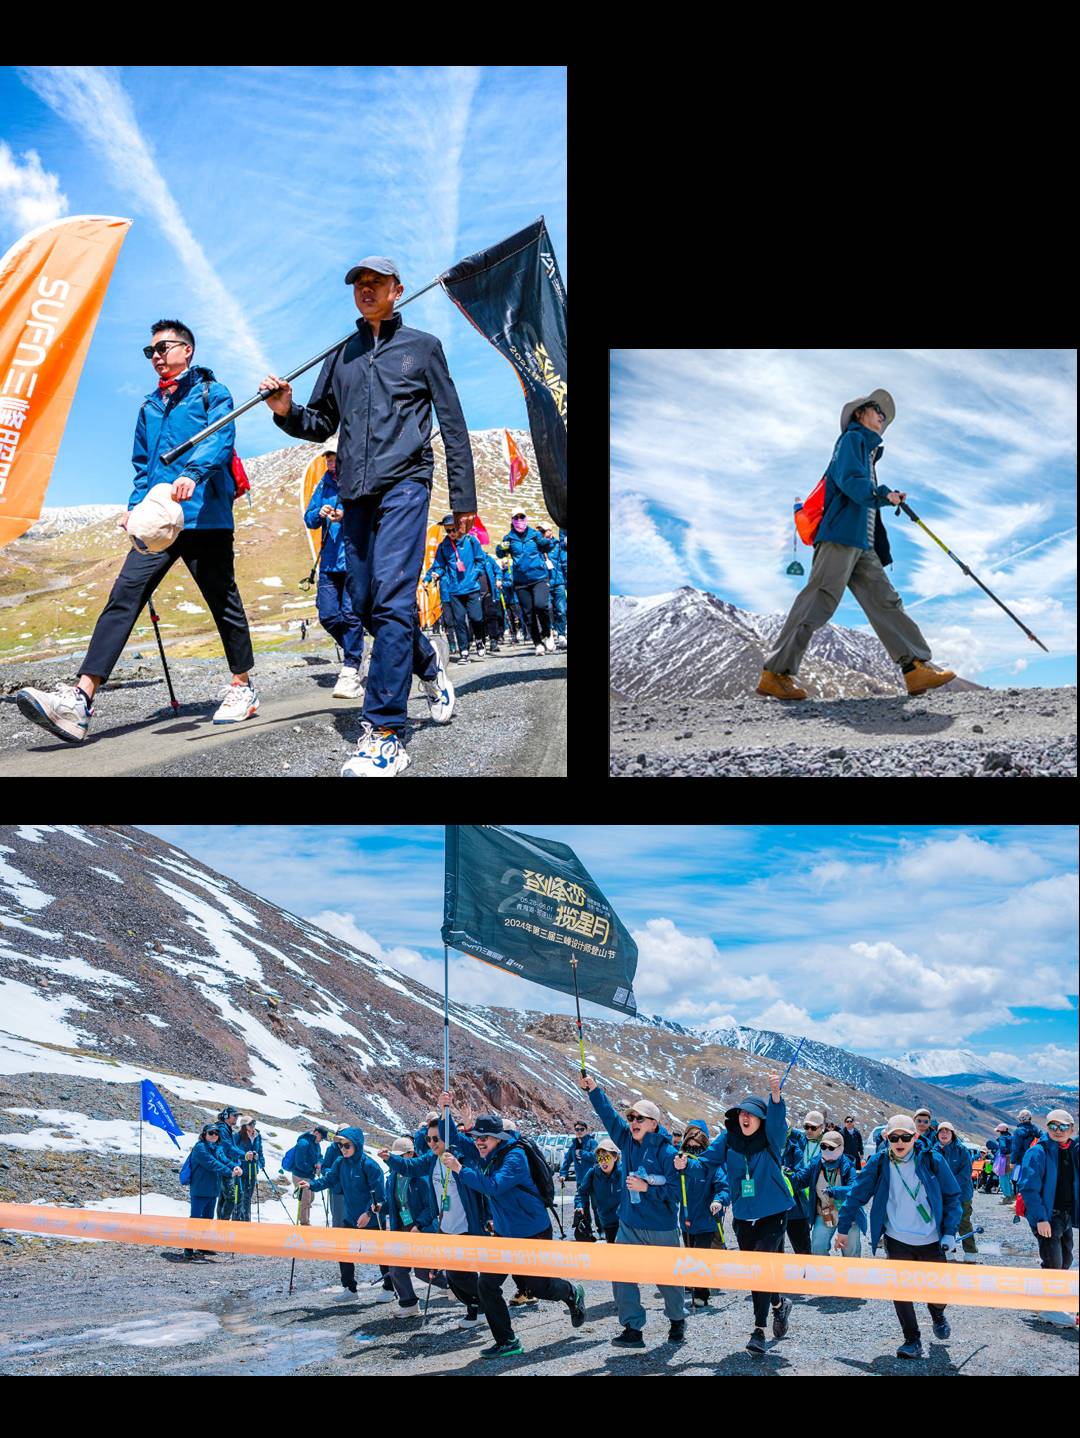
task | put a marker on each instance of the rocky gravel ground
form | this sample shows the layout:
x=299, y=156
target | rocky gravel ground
x=111, y=1309
x=1013, y=733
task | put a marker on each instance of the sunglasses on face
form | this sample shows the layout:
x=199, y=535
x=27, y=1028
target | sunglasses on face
x=901, y=1137
x=580, y=1130
x=830, y=1148
x=635, y=1118
x=1059, y=1127
x=159, y=349
x=811, y=1127
x=434, y=1138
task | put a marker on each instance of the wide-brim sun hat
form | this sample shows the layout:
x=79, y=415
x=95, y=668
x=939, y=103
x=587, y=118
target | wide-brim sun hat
x=877, y=396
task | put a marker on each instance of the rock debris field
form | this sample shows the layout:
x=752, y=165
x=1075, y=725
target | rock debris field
x=989, y=733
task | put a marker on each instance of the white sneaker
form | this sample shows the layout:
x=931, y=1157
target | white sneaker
x=400, y=1311
x=62, y=711
x=241, y=701
x=385, y=1295
x=462, y=657
x=969, y=1258
x=439, y=693
x=540, y=649
x=348, y=684
x=549, y=644
x=379, y=754
x=479, y=652
x=560, y=641
x=345, y=1295
x=465, y=1321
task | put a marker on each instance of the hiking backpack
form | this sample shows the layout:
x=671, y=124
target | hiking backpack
x=808, y=514
x=185, y=1172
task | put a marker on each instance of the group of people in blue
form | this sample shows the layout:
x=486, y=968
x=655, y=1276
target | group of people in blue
x=647, y=1184
x=484, y=604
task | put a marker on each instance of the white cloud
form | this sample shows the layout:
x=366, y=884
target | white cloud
x=679, y=972
x=92, y=99
x=642, y=560
x=30, y=192
x=938, y=861
x=1051, y=1063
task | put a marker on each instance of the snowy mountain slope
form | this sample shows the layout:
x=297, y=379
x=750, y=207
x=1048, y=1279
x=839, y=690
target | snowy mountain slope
x=693, y=645
x=932, y=1063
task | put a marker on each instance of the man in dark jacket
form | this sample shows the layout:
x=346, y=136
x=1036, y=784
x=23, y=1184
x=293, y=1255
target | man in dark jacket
x=850, y=550
x=853, y=1144
x=379, y=388
x=186, y=400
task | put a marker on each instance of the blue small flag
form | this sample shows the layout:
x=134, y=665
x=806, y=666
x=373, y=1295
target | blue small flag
x=156, y=1111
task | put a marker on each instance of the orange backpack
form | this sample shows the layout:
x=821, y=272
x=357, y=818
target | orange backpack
x=808, y=515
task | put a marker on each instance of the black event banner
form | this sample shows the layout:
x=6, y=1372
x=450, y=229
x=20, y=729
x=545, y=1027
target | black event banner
x=514, y=295
x=528, y=905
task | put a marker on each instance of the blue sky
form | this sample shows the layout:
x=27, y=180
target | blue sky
x=879, y=939
x=253, y=190
x=710, y=448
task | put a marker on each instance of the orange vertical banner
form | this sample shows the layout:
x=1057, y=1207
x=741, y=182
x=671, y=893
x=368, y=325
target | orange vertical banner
x=52, y=286
x=519, y=465
x=312, y=475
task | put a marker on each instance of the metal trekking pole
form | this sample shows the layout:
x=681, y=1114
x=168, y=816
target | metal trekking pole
x=174, y=454
x=913, y=516
x=161, y=651
x=292, y=1266
x=277, y=1195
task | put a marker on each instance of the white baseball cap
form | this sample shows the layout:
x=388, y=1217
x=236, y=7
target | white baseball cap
x=156, y=521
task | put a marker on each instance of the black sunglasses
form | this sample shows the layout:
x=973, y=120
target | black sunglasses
x=159, y=349
x=901, y=1137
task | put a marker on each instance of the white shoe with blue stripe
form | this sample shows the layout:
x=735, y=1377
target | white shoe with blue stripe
x=439, y=693
x=65, y=711
x=379, y=755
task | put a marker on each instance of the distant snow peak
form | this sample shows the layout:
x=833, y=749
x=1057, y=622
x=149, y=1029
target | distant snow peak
x=931, y=1063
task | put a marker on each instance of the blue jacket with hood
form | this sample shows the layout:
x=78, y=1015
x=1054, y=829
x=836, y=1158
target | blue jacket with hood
x=851, y=494
x=1022, y=1139
x=352, y=1177
x=420, y=1168
x=208, y=1169
x=306, y=1155
x=580, y=1159
x=872, y=1186
x=655, y=1153
x=772, y=1193
x=959, y=1158
x=164, y=423
x=505, y=1180
x=1038, y=1180
x=806, y=1176
x=445, y=563
x=703, y=1186
x=332, y=550
x=526, y=552
x=604, y=1189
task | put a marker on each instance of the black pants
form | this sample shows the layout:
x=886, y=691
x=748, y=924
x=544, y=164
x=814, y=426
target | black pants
x=764, y=1235
x=702, y=1240
x=798, y=1231
x=465, y=1288
x=465, y=612
x=208, y=554
x=493, y=1303
x=536, y=615
x=922, y=1253
x=1057, y=1250
x=348, y=1270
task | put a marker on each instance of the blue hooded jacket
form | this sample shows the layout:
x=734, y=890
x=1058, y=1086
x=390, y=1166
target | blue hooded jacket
x=504, y=1178
x=703, y=1186
x=872, y=1183
x=772, y=1193
x=421, y=1167
x=1022, y=1139
x=581, y=1159
x=1038, y=1180
x=525, y=550
x=332, y=552
x=605, y=1190
x=806, y=1176
x=164, y=423
x=446, y=561
x=208, y=1169
x=306, y=1155
x=850, y=493
x=959, y=1158
x=352, y=1177
x=655, y=1153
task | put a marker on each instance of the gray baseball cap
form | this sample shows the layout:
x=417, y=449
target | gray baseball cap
x=379, y=263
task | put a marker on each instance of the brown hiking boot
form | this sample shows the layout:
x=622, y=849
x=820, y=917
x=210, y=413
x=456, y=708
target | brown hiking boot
x=926, y=676
x=780, y=686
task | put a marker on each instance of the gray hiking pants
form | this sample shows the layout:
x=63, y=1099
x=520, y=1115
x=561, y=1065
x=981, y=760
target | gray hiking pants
x=837, y=567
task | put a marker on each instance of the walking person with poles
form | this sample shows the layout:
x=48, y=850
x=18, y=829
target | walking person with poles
x=185, y=398
x=350, y=1176
x=249, y=1141
x=206, y=1169
x=379, y=388
x=850, y=551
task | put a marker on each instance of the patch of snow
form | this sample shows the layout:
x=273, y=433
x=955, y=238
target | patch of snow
x=397, y=1123
x=27, y=1014
x=274, y=583
x=22, y=889
x=77, y=968
x=108, y=873
x=188, y=608
x=153, y=1019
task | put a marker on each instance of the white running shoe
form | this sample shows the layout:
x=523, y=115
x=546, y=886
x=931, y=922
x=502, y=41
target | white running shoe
x=379, y=754
x=348, y=684
x=64, y=711
x=549, y=644
x=439, y=693
x=241, y=701
x=479, y=652
x=400, y=1311
x=560, y=641
x=540, y=649
x=385, y=1295
x=462, y=657
x=468, y=1320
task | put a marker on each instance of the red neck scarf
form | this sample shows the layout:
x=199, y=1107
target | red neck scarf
x=167, y=385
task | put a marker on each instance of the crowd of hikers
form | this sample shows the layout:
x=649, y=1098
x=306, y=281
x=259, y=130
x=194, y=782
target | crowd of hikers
x=909, y=1191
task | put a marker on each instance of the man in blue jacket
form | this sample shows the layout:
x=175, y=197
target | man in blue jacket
x=336, y=614
x=1050, y=1188
x=850, y=552
x=360, y=1184
x=500, y=1171
x=915, y=1202
x=459, y=560
x=186, y=400
x=526, y=547
x=580, y=1156
x=379, y=388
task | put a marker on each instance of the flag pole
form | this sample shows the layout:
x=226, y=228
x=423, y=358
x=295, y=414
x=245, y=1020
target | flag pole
x=140, y=1153
x=181, y=449
x=577, y=1005
x=794, y=1056
x=446, y=1042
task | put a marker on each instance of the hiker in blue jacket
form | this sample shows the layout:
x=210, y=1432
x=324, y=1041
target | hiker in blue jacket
x=749, y=1151
x=959, y=1158
x=305, y=1161
x=915, y=1203
x=526, y=548
x=850, y=550
x=184, y=401
x=332, y=598
x=801, y=1148
x=248, y=1140
x=459, y=560
x=352, y=1177
x=648, y=1213
x=208, y=1169
x=602, y=1189
x=580, y=1156
x=827, y=1178
x=1025, y=1135
x=230, y=1197
x=703, y=1199
x=500, y=1171
x=1050, y=1188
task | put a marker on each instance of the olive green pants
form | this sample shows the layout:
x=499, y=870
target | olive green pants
x=837, y=567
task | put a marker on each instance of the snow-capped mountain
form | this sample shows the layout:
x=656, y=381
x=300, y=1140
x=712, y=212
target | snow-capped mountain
x=690, y=644
x=936, y=1063
x=64, y=518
